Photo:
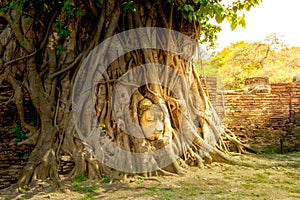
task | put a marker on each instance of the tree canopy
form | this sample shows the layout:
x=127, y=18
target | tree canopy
x=248, y=59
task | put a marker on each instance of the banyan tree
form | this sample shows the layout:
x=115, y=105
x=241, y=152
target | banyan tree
x=113, y=84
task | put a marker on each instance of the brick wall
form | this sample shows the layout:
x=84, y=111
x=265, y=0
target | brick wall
x=12, y=159
x=261, y=119
x=12, y=156
x=295, y=104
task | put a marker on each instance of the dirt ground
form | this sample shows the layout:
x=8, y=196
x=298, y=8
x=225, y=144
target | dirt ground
x=281, y=180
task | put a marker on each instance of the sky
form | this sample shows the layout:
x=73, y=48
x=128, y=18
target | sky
x=271, y=16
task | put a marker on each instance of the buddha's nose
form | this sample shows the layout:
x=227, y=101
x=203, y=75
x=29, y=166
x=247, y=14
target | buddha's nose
x=160, y=126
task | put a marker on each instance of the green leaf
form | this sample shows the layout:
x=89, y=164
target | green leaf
x=105, y=180
x=247, y=7
x=188, y=8
x=79, y=12
x=102, y=128
x=128, y=6
x=63, y=32
x=219, y=18
x=242, y=22
x=233, y=25
x=99, y=3
x=211, y=13
x=190, y=17
x=4, y=9
x=204, y=2
x=58, y=24
x=80, y=178
x=235, y=8
x=60, y=50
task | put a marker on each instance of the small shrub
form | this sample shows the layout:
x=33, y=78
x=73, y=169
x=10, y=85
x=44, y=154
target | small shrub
x=80, y=178
x=140, y=180
x=19, y=133
x=79, y=188
x=270, y=151
x=26, y=154
x=87, y=196
x=105, y=180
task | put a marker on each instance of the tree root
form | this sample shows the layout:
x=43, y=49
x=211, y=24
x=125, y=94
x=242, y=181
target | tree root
x=31, y=140
x=232, y=138
x=219, y=156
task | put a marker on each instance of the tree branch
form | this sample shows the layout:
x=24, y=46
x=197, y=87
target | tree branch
x=114, y=22
x=89, y=4
x=162, y=14
x=43, y=43
x=68, y=67
x=19, y=100
x=15, y=26
x=18, y=59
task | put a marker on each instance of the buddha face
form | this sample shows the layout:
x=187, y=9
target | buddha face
x=152, y=121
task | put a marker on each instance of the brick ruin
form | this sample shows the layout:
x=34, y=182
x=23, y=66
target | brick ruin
x=12, y=157
x=265, y=116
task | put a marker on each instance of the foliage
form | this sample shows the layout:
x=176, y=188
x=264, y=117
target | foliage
x=187, y=191
x=80, y=178
x=26, y=154
x=206, y=68
x=105, y=180
x=60, y=50
x=79, y=188
x=269, y=152
x=140, y=180
x=87, y=196
x=70, y=9
x=245, y=59
x=19, y=133
x=102, y=128
x=99, y=3
x=209, y=13
x=128, y=6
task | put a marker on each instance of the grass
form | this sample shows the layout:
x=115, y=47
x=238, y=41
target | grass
x=261, y=178
x=158, y=193
x=244, y=158
x=246, y=194
x=289, y=181
x=293, y=175
x=248, y=185
x=220, y=182
x=295, y=196
x=105, y=180
x=79, y=188
x=294, y=190
x=269, y=152
x=140, y=180
x=80, y=178
x=87, y=197
x=187, y=191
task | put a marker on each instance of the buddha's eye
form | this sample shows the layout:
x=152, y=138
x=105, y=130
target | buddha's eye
x=150, y=119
